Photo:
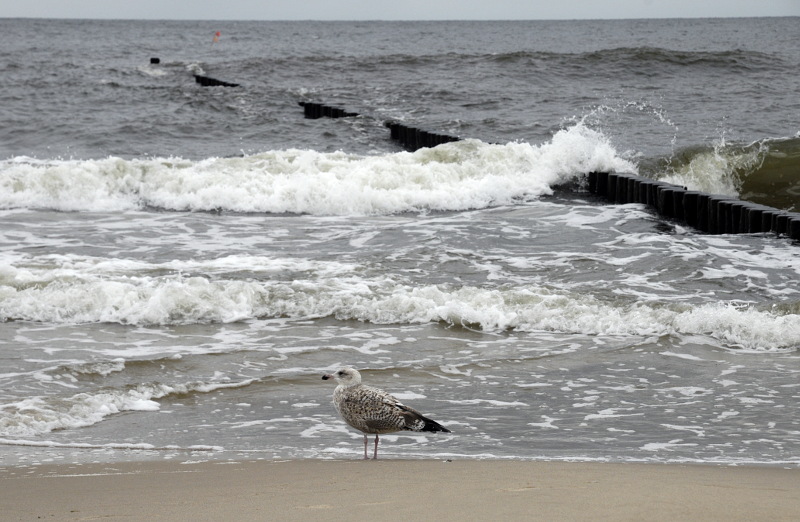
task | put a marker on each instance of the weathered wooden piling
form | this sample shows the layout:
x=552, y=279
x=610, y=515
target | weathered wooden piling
x=314, y=110
x=206, y=81
x=412, y=138
x=709, y=213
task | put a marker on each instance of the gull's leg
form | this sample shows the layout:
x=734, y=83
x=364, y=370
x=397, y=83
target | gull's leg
x=375, y=455
x=365, y=447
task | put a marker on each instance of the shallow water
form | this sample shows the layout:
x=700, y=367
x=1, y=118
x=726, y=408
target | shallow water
x=180, y=265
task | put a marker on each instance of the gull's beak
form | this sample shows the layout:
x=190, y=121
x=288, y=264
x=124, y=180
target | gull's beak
x=327, y=376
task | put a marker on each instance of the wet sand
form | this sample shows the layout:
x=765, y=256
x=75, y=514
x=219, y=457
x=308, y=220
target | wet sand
x=399, y=490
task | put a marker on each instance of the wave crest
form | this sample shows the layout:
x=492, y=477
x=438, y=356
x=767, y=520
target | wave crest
x=456, y=176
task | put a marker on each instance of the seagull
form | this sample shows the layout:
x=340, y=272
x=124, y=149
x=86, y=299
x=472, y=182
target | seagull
x=371, y=410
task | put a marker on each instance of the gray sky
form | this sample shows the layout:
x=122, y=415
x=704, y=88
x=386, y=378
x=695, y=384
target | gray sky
x=394, y=9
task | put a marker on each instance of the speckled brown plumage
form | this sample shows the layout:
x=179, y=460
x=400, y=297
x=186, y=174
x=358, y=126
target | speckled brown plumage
x=374, y=411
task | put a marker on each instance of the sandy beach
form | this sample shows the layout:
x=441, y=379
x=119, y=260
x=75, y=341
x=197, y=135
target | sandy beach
x=399, y=489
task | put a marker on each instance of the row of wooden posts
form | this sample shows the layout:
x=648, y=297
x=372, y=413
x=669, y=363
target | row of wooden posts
x=411, y=138
x=710, y=213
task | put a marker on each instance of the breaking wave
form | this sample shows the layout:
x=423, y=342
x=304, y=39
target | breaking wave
x=463, y=175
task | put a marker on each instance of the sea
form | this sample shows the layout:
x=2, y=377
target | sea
x=180, y=264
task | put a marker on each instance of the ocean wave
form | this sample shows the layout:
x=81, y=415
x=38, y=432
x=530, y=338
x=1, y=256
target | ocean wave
x=39, y=415
x=766, y=171
x=456, y=176
x=776, y=179
x=660, y=58
x=140, y=299
x=736, y=60
x=715, y=169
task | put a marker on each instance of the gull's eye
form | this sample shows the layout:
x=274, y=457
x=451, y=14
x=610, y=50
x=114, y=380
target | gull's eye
x=340, y=373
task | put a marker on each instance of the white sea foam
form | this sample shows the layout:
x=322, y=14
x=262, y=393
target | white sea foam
x=100, y=294
x=461, y=175
x=667, y=446
x=697, y=430
x=409, y=395
x=490, y=402
x=686, y=356
x=610, y=413
x=547, y=422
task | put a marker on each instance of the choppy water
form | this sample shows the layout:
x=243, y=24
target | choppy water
x=179, y=264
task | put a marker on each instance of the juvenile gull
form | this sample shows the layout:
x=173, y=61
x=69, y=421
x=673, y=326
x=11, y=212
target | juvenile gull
x=371, y=410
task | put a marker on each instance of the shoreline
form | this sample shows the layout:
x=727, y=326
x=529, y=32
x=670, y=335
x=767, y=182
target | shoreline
x=444, y=489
